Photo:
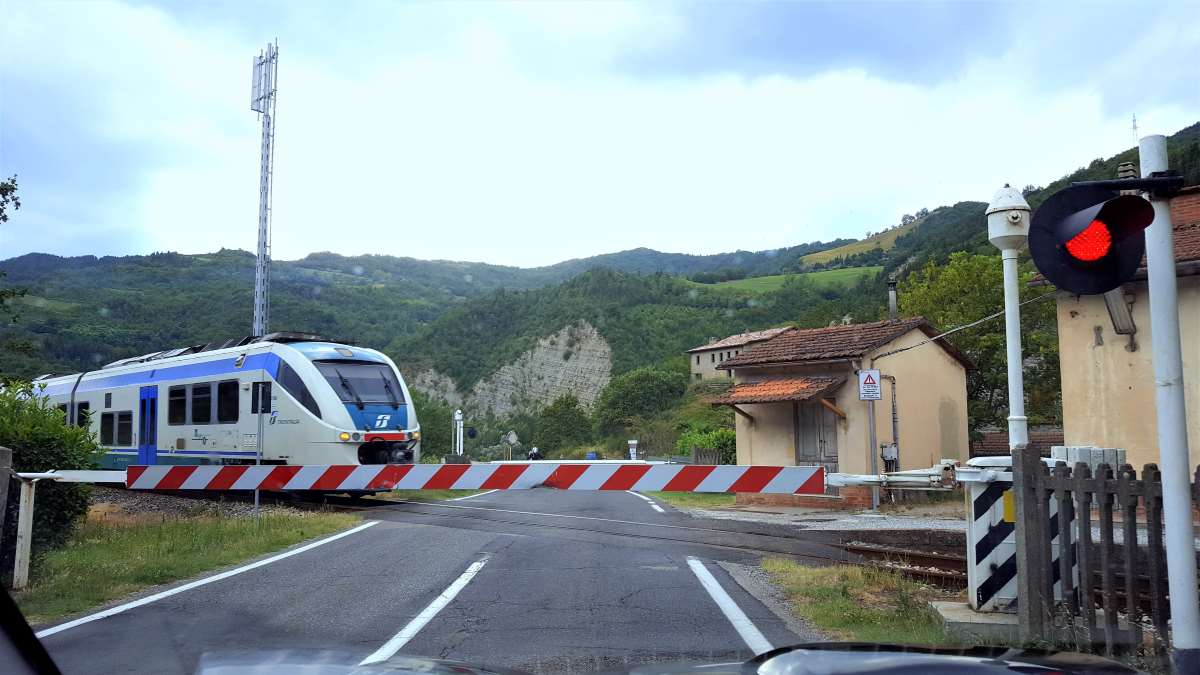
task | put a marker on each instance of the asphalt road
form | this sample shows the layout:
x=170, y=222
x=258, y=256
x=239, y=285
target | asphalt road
x=563, y=581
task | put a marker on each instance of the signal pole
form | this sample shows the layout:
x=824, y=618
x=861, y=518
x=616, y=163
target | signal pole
x=1172, y=418
x=262, y=101
x=1008, y=228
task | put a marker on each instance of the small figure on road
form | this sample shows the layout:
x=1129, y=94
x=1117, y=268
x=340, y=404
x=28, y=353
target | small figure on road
x=535, y=454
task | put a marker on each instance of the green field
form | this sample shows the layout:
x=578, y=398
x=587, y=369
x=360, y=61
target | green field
x=823, y=279
x=884, y=240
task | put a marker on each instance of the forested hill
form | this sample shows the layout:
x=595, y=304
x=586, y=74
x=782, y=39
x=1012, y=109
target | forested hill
x=466, y=319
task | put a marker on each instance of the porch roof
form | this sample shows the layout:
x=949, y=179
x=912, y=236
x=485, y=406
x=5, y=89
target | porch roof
x=771, y=390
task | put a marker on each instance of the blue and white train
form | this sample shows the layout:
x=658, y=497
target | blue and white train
x=312, y=402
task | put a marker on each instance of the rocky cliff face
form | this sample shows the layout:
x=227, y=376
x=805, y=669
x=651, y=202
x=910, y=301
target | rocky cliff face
x=575, y=360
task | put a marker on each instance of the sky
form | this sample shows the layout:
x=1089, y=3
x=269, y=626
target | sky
x=529, y=133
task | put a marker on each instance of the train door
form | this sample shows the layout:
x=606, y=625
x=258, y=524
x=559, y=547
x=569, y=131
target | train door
x=148, y=425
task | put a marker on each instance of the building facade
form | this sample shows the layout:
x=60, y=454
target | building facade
x=704, y=360
x=796, y=399
x=1108, y=377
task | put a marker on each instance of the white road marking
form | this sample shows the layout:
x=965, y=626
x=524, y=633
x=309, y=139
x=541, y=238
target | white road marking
x=753, y=638
x=199, y=582
x=410, y=631
x=649, y=501
x=478, y=494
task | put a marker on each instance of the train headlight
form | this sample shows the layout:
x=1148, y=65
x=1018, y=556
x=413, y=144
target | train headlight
x=355, y=436
x=344, y=436
x=416, y=435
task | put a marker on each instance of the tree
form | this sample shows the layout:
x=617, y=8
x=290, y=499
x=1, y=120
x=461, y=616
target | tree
x=970, y=287
x=42, y=440
x=639, y=393
x=562, y=424
x=9, y=198
x=907, y=218
x=436, y=418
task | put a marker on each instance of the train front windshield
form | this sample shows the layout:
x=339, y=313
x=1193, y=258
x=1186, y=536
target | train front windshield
x=359, y=382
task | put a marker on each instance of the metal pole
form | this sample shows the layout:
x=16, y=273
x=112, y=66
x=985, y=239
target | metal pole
x=458, y=432
x=1018, y=425
x=872, y=450
x=24, y=535
x=259, y=441
x=1172, y=419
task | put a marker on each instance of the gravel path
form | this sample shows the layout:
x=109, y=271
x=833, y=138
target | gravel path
x=141, y=502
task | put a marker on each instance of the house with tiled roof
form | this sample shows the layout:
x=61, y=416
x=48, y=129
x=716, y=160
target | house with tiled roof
x=705, y=358
x=797, y=401
x=1105, y=357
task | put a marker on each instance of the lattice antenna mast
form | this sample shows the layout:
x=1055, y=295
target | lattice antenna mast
x=262, y=101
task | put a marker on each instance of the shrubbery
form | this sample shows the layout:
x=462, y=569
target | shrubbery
x=41, y=440
x=722, y=439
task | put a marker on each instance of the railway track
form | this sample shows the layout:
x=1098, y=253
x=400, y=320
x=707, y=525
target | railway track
x=940, y=569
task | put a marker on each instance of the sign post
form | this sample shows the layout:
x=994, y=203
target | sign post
x=870, y=391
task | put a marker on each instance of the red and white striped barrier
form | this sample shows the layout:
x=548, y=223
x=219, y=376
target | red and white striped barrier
x=517, y=476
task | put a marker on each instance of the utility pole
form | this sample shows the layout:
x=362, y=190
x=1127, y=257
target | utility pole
x=458, y=432
x=1172, y=417
x=262, y=101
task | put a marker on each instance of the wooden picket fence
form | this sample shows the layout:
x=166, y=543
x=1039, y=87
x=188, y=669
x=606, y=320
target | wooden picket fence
x=1112, y=590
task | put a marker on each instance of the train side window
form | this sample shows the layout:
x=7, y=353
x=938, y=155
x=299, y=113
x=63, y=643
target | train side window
x=227, y=401
x=201, y=403
x=106, y=428
x=83, y=414
x=108, y=400
x=290, y=380
x=125, y=428
x=177, y=405
x=63, y=409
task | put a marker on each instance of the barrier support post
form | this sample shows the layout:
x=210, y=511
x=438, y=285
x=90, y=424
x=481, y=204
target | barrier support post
x=5, y=474
x=24, y=535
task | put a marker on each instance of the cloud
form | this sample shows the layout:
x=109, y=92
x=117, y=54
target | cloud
x=531, y=133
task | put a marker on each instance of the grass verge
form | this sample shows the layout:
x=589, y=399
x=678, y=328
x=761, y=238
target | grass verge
x=695, y=500
x=861, y=603
x=424, y=495
x=108, y=559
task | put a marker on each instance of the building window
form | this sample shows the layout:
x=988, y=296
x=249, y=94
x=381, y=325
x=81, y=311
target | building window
x=177, y=405
x=227, y=401
x=106, y=428
x=712, y=357
x=202, y=403
x=697, y=359
x=729, y=372
x=108, y=400
x=697, y=376
x=125, y=428
x=83, y=414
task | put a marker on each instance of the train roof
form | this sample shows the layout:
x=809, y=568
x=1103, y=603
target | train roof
x=281, y=337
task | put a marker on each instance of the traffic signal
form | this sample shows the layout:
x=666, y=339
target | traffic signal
x=1088, y=239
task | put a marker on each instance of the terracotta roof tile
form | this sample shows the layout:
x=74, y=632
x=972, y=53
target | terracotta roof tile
x=742, y=339
x=778, y=389
x=835, y=342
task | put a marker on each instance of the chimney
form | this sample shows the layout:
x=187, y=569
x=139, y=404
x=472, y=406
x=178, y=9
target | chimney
x=893, y=311
x=1127, y=170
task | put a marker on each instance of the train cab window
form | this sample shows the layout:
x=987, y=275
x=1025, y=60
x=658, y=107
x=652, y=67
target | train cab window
x=201, y=403
x=108, y=400
x=177, y=405
x=290, y=380
x=125, y=428
x=63, y=408
x=360, y=382
x=106, y=428
x=227, y=401
x=83, y=414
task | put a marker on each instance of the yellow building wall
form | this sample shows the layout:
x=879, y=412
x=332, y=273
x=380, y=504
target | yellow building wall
x=1108, y=391
x=931, y=401
x=707, y=367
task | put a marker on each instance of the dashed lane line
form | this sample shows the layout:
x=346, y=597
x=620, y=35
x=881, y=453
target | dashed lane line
x=413, y=627
x=649, y=501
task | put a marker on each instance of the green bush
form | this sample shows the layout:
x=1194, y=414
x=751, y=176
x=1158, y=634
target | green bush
x=722, y=439
x=41, y=440
x=562, y=424
x=640, y=393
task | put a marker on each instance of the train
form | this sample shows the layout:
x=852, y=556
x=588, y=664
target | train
x=282, y=398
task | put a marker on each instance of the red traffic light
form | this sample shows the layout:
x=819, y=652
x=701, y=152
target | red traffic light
x=1088, y=239
x=1092, y=244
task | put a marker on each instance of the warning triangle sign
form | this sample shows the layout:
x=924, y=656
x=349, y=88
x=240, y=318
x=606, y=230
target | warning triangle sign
x=869, y=380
